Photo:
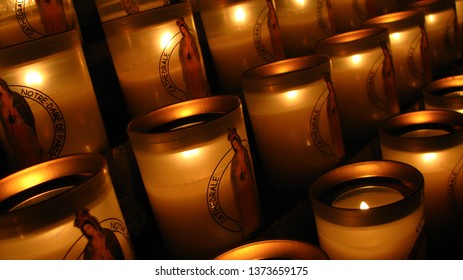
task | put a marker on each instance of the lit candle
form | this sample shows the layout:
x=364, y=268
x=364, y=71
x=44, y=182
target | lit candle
x=25, y=20
x=112, y=9
x=441, y=27
x=430, y=140
x=410, y=52
x=238, y=37
x=196, y=166
x=157, y=57
x=292, y=107
x=363, y=75
x=445, y=93
x=369, y=210
x=302, y=24
x=55, y=112
x=46, y=209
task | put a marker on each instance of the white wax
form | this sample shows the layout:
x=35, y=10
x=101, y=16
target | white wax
x=300, y=26
x=292, y=133
x=359, y=83
x=192, y=197
x=394, y=240
x=442, y=41
x=63, y=240
x=77, y=127
x=372, y=196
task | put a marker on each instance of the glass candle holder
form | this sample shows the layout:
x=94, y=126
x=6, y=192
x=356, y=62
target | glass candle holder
x=157, y=57
x=363, y=74
x=292, y=108
x=24, y=20
x=302, y=24
x=196, y=166
x=279, y=249
x=112, y=9
x=445, y=93
x=441, y=27
x=410, y=52
x=431, y=141
x=48, y=104
x=64, y=208
x=348, y=15
x=239, y=37
x=459, y=11
x=369, y=210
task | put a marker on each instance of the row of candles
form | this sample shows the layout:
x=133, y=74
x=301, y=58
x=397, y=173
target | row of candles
x=193, y=150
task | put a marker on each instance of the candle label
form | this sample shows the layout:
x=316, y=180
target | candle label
x=237, y=165
x=130, y=6
x=420, y=45
x=267, y=17
x=362, y=15
x=450, y=35
x=52, y=18
x=20, y=105
x=389, y=103
x=455, y=189
x=191, y=64
x=102, y=240
x=418, y=250
x=324, y=26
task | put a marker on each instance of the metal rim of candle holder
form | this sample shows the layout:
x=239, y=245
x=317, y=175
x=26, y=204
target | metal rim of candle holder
x=275, y=249
x=281, y=75
x=400, y=176
x=37, y=49
x=217, y=4
x=225, y=110
x=353, y=41
x=109, y=9
x=433, y=93
x=397, y=20
x=160, y=15
x=391, y=130
x=430, y=6
x=56, y=188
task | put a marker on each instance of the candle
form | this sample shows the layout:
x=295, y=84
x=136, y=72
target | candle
x=410, y=52
x=196, y=166
x=459, y=11
x=369, y=210
x=55, y=112
x=112, y=9
x=291, y=105
x=25, y=20
x=157, y=57
x=430, y=140
x=302, y=24
x=238, y=37
x=46, y=209
x=274, y=249
x=445, y=93
x=363, y=75
x=441, y=28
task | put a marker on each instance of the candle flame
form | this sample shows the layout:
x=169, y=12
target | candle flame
x=364, y=205
x=430, y=18
x=166, y=39
x=33, y=78
x=240, y=15
x=429, y=157
x=395, y=36
x=291, y=95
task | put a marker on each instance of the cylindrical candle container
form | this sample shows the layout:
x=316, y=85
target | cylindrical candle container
x=459, y=11
x=112, y=9
x=348, y=15
x=157, y=57
x=292, y=108
x=48, y=104
x=410, y=52
x=441, y=28
x=64, y=208
x=279, y=249
x=196, y=165
x=370, y=210
x=302, y=24
x=26, y=20
x=432, y=141
x=241, y=34
x=445, y=93
x=363, y=74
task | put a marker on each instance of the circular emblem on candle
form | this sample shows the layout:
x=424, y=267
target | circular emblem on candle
x=321, y=21
x=21, y=18
x=455, y=192
x=315, y=133
x=51, y=130
x=358, y=10
x=413, y=52
x=261, y=48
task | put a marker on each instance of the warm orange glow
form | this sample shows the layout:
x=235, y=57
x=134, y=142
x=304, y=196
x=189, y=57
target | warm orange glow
x=364, y=205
